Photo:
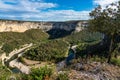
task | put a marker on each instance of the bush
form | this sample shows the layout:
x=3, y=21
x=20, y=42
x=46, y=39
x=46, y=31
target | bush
x=98, y=59
x=82, y=46
x=4, y=72
x=63, y=76
x=10, y=46
x=21, y=59
x=42, y=73
x=115, y=61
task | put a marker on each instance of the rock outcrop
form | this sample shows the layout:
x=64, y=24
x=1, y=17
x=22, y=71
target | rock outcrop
x=92, y=71
x=21, y=26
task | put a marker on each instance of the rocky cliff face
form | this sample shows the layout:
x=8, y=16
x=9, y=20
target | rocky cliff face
x=21, y=26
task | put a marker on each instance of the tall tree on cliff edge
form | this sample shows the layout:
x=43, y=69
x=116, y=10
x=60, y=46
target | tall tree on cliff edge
x=106, y=21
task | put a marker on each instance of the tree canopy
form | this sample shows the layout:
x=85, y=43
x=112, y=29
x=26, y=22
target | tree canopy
x=106, y=21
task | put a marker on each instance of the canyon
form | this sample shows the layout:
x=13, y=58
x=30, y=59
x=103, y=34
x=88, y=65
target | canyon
x=22, y=26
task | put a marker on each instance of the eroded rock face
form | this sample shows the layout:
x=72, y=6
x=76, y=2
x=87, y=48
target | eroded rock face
x=21, y=26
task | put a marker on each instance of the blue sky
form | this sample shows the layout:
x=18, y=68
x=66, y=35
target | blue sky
x=49, y=10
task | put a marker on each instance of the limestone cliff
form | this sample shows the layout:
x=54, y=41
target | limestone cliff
x=21, y=26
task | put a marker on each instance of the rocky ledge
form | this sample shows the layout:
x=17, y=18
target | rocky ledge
x=93, y=71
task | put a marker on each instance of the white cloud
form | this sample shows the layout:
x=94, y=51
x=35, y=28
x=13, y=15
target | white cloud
x=60, y=15
x=35, y=10
x=25, y=5
x=104, y=3
x=53, y=15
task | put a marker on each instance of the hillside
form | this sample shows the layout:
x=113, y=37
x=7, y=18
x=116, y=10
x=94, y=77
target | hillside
x=13, y=40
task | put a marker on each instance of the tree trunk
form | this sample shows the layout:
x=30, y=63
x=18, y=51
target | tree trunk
x=110, y=50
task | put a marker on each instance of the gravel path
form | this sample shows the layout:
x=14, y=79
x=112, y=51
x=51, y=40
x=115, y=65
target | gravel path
x=23, y=68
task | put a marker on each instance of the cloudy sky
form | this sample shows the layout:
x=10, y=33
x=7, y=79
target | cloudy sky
x=49, y=10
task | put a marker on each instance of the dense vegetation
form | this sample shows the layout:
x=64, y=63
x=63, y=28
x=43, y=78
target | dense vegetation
x=63, y=76
x=36, y=74
x=4, y=73
x=43, y=73
x=58, y=33
x=107, y=21
x=91, y=51
x=84, y=37
x=54, y=50
x=12, y=40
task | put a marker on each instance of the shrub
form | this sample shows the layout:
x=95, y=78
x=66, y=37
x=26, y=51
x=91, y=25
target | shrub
x=42, y=73
x=4, y=72
x=21, y=59
x=115, y=61
x=63, y=76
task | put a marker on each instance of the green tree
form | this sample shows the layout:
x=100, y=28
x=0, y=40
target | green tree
x=106, y=21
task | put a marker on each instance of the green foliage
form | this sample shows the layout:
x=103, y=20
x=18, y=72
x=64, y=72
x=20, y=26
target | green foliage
x=116, y=51
x=4, y=73
x=36, y=34
x=54, y=50
x=88, y=50
x=82, y=46
x=63, y=76
x=21, y=59
x=81, y=49
x=38, y=74
x=84, y=36
x=106, y=21
x=98, y=59
x=115, y=61
x=9, y=46
x=14, y=40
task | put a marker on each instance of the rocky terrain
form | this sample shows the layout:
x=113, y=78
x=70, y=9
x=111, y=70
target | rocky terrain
x=92, y=71
x=21, y=26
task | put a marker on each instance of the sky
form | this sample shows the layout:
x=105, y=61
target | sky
x=49, y=10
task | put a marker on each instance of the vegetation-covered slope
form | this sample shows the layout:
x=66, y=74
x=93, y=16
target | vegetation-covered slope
x=54, y=50
x=12, y=40
x=84, y=37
